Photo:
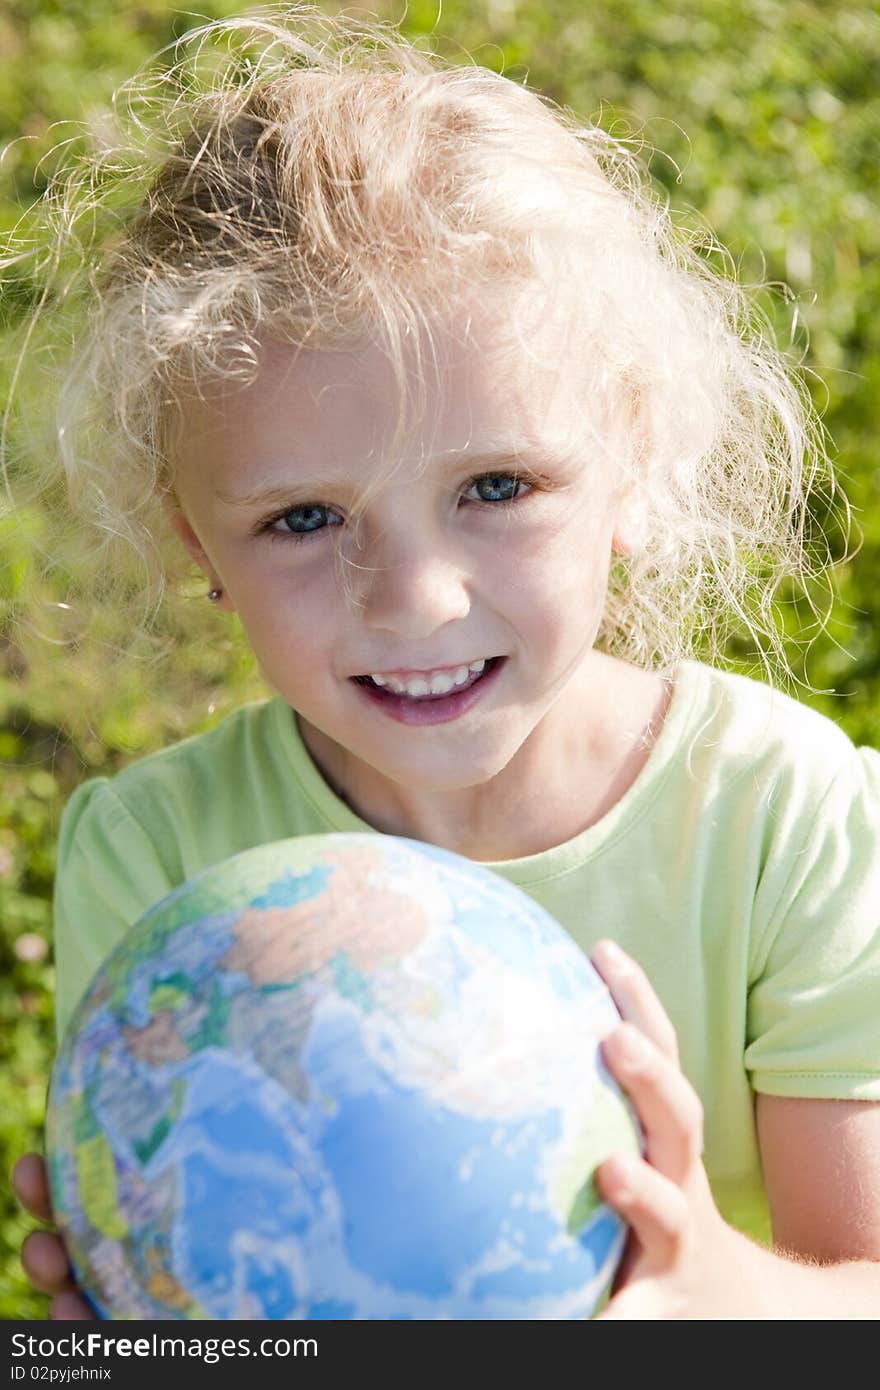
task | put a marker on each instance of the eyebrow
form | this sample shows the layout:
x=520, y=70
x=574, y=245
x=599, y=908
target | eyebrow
x=526, y=459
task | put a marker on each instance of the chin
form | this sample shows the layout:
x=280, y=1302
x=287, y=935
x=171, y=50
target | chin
x=448, y=775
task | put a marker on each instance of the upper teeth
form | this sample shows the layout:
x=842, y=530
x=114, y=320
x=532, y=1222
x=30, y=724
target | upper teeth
x=433, y=682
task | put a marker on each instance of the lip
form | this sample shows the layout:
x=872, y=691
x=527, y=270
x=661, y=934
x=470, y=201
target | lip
x=442, y=709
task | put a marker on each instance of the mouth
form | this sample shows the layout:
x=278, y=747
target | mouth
x=432, y=708
x=473, y=678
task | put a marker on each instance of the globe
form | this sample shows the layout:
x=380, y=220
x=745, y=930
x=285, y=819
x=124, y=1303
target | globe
x=342, y=1076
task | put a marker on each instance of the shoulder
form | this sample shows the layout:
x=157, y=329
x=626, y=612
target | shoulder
x=789, y=781
x=165, y=793
x=766, y=713
x=774, y=781
x=241, y=737
x=125, y=841
x=756, y=731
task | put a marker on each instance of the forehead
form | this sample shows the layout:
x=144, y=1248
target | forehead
x=484, y=373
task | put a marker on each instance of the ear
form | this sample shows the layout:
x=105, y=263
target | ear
x=192, y=543
x=629, y=532
x=188, y=537
x=628, y=535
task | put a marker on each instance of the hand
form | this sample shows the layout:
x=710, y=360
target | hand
x=680, y=1257
x=43, y=1256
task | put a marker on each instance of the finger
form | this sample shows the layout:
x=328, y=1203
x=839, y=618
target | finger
x=654, y=1208
x=667, y=1105
x=31, y=1187
x=634, y=996
x=45, y=1263
x=70, y=1307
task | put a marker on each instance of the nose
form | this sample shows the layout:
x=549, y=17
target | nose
x=409, y=587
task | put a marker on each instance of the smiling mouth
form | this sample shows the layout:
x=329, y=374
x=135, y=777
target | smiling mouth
x=491, y=663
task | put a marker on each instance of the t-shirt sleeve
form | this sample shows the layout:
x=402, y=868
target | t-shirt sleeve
x=107, y=874
x=813, y=1020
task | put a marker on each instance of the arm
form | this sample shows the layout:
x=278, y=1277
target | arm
x=822, y=1168
x=821, y=1163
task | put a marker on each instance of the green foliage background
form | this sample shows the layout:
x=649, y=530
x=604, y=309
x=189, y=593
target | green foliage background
x=768, y=117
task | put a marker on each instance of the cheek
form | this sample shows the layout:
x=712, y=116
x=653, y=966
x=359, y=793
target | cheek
x=292, y=589
x=281, y=625
x=563, y=571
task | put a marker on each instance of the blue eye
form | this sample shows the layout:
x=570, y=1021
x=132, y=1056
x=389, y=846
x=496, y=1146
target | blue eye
x=502, y=485
x=313, y=517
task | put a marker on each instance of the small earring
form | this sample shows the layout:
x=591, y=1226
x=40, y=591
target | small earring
x=215, y=594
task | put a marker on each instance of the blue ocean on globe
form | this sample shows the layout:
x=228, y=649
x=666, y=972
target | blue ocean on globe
x=343, y=1076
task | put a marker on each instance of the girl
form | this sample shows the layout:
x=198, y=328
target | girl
x=479, y=450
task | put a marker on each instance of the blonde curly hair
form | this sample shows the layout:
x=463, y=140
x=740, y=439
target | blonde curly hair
x=316, y=178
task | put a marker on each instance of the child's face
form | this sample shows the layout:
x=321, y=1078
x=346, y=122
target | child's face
x=441, y=577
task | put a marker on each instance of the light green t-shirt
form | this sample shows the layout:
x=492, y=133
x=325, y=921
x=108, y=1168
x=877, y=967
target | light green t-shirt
x=741, y=869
